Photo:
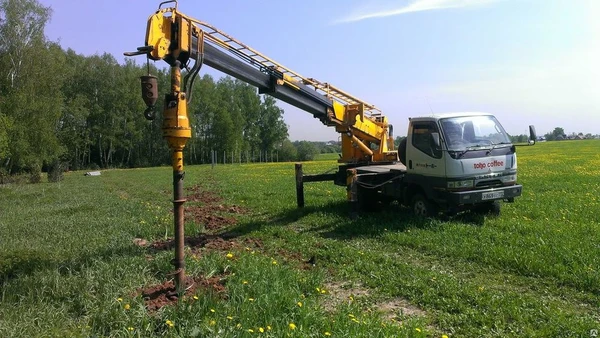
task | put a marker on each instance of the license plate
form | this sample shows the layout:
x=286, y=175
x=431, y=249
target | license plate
x=492, y=195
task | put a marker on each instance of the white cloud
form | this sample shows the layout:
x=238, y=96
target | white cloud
x=560, y=92
x=414, y=6
x=568, y=79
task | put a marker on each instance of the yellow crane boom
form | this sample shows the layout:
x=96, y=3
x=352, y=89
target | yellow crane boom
x=365, y=131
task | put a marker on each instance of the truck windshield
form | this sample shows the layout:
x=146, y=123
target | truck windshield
x=470, y=132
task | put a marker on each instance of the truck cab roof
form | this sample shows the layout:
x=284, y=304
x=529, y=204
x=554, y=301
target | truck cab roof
x=435, y=117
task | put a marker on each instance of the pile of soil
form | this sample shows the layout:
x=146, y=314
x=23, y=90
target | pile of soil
x=206, y=207
x=157, y=296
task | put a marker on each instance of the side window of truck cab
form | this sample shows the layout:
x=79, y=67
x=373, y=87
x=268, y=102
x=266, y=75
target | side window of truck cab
x=422, y=138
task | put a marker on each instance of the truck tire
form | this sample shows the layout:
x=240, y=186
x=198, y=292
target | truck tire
x=422, y=207
x=402, y=151
x=489, y=208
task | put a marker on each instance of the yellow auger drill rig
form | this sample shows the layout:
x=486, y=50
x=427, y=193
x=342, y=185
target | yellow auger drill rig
x=174, y=37
x=187, y=43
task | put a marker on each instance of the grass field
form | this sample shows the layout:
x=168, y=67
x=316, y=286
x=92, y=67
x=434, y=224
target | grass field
x=69, y=266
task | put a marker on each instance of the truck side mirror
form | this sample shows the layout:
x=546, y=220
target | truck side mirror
x=532, y=134
x=436, y=140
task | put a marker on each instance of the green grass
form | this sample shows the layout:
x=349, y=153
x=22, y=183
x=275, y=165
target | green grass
x=68, y=266
x=327, y=157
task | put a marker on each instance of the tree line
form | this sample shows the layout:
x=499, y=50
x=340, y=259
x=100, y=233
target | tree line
x=58, y=107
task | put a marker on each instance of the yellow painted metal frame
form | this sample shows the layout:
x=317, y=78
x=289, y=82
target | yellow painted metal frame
x=361, y=124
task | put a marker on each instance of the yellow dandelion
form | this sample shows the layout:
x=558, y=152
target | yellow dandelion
x=274, y=262
x=213, y=323
x=299, y=304
x=350, y=315
x=250, y=330
x=444, y=336
x=417, y=329
x=229, y=317
x=119, y=299
x=130, y=328
x=244, y=282
x=229, y=255
x=169, y=323
x=327, y=333
x=261, y=330
x=196, y=297
x=212, y=310
x=292, y=326
x=251, y=299
x=127, y=307
x=268, y=327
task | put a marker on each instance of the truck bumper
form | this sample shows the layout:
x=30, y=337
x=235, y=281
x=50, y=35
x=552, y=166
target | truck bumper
x=486, y=195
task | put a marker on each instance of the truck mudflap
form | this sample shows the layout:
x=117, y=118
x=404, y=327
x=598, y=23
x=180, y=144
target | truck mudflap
x=485, y=195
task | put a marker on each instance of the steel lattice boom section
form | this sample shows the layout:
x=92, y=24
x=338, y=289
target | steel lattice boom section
x=267, y=65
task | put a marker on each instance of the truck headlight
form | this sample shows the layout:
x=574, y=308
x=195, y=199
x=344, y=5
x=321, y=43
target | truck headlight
x=509, y=178
x=460, y=184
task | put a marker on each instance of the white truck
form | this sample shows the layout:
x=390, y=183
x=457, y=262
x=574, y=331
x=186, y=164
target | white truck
x=449, y=162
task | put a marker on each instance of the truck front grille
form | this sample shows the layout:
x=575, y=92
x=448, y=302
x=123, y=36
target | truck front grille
x=489, y=184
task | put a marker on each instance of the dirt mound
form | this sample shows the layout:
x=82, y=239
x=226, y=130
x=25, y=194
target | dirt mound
x=197, y=194
x=157, y=296
x=206, y=207
x=206, y=216
x=222, y=242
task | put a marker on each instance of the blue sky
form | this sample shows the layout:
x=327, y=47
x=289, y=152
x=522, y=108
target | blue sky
x=526, y=61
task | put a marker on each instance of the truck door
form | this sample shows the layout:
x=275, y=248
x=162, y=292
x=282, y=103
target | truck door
x=423, y=156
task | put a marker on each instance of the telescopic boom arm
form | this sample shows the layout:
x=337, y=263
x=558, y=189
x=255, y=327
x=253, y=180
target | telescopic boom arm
x=173, y=36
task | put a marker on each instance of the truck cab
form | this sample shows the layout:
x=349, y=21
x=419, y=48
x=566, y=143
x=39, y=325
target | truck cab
x=459, y=161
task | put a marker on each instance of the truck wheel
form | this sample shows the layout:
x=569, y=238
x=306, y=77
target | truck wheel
x=422, y=207
x=490, y=208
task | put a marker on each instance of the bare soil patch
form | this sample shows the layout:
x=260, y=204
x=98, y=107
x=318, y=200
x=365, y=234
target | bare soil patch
x=340, y=293
x=157, y=296
x=198, y=194
x=399, y=308
x=206, y=216
x=221, y=242
x=394, y=309
x=207, y=208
